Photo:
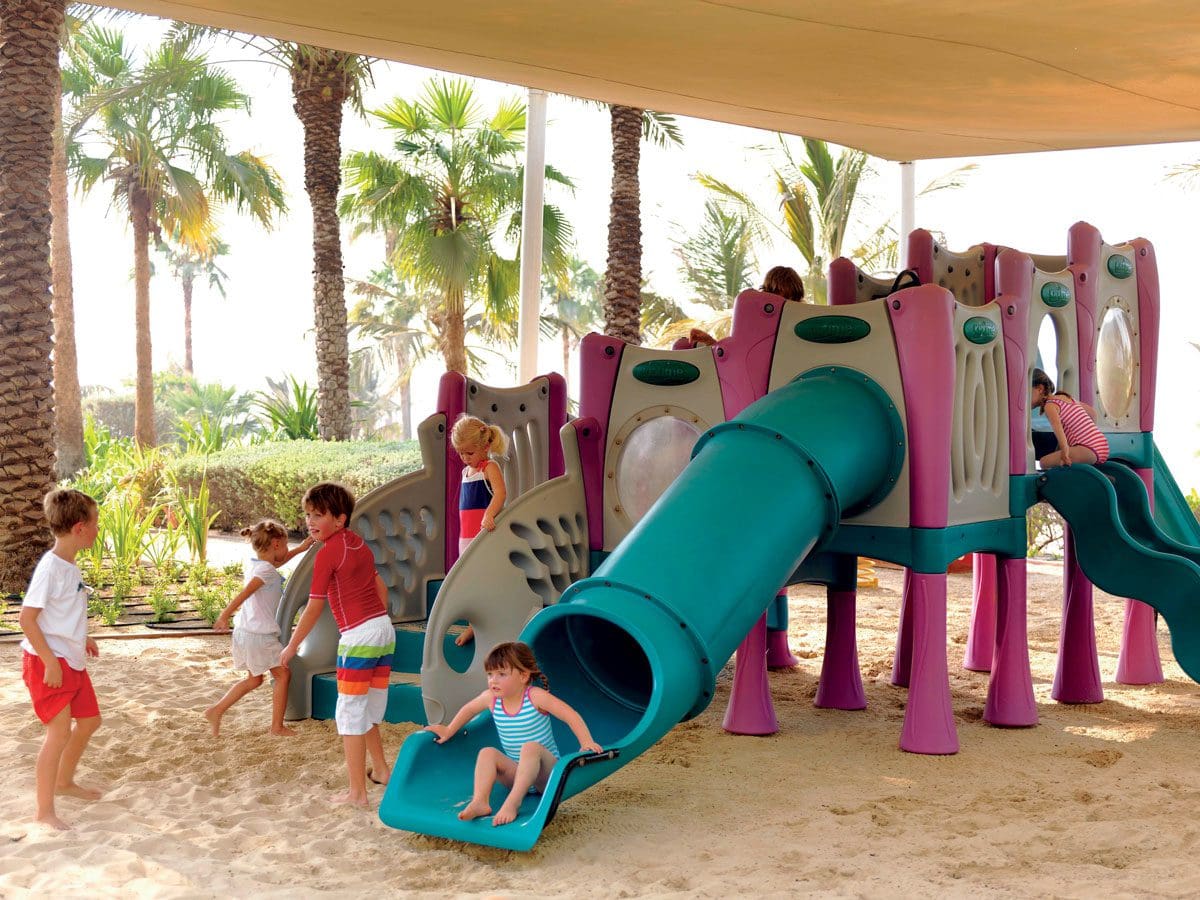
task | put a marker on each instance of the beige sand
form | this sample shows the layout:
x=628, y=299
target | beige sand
x=1097, y=798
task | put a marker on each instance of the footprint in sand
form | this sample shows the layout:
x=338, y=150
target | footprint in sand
x=1101, y=759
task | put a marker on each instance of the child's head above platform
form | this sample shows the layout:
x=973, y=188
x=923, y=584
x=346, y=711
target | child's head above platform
x=475, y=441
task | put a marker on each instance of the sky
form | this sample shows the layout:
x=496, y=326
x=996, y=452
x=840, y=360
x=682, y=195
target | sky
x=263, y=328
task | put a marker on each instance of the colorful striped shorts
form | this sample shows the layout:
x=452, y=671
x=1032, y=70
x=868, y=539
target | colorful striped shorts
x=364, y=662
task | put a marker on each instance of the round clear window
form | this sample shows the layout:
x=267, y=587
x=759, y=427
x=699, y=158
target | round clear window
x=1114, y=364
x=655, y=453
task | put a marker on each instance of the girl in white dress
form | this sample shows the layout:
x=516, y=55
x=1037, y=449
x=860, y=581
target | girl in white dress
x=256, y=646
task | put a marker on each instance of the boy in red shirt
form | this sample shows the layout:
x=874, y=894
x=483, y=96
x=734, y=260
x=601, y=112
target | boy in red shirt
x=56, y=645
x=344, y=576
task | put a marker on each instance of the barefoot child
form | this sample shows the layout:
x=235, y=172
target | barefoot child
x=344, y=576
x=256, y=646
x=1079, y=440
x=522, y=716
x=56, y=645
x=482, y=493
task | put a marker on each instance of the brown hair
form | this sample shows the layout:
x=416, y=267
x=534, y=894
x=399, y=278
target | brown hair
x=1042, y=380
x=261, y=534
x=65, y=508
x=517, y=656
x=330, y=497
x=470, y=433
x=784, y=281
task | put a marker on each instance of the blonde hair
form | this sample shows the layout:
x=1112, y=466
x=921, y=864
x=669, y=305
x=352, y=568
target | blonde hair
x=261, y=534
x=65, y=508
x=470, y=433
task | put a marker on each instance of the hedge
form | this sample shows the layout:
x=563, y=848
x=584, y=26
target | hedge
x=268, y=480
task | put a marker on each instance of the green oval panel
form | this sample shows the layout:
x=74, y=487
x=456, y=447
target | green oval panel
x=1055, y=293
x=666, y=371
x=1119, y=266
x=833, y=329
x=979, y=330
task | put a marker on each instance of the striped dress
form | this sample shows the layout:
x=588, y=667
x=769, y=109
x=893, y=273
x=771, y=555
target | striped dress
x=474, y=497
x=529, y=724
x=1079, y=428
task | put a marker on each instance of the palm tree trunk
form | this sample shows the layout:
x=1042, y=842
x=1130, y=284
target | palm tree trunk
x=623, y=280
x=188, y=279
x=454, y=332
x=29, y=91
x=406, y=432
x=68, y=411
x=319, y=91
x=566, y=368
x=143, y=399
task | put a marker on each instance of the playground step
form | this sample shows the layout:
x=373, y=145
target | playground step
x=410, y=645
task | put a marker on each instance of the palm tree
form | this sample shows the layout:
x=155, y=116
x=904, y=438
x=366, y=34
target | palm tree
x=163, y=153
x=817, y=199
x=623, y=277
x=573, y=308
x=188, y=264
x=451, y=194
x=29, y=93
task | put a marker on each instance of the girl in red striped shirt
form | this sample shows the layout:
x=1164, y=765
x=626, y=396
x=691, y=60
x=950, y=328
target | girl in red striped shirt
x=1074, y=424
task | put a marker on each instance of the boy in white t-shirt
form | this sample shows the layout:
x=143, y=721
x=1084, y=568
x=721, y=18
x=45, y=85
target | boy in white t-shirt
x=56, y=645
x=256, y=646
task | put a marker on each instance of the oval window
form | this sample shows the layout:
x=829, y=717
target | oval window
x=1114, y=364
x=655, y=453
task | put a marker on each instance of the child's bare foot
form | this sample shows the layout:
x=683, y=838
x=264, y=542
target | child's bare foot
x=214, y=719
x=346, y=798
x=507, y=813
x=465, y=638
x=282, y=731
x=474, y=810
x=378, y=776
x=77, y=790
x=50, y=820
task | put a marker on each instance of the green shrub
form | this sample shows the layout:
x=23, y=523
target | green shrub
x=269, y=479
x=210, y=603
x=163, y=601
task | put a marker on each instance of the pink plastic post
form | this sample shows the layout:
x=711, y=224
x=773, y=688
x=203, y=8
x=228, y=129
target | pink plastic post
x=928, y=717
x=981, y=636
x=1077, y=676
x=750, y=710
x=779, y=654
x=1139, y=662
x=1010, y=699
x=841, y=685
x=902, y=662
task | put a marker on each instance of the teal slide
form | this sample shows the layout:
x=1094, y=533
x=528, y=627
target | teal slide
x=1123, y=550
x=1171, y=510
x=636, y=647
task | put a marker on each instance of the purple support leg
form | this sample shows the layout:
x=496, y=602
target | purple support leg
x=981, y=636
x=750, y=710
x=1010, y=690
x=841, y=682
x=928, y=717
x=1138, y=662
x=902, y=663
x=779, y=655
x=1077, y=677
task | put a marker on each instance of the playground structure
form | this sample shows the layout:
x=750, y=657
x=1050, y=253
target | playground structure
x=893, y=426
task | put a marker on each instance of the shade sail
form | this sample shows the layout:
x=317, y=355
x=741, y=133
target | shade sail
x=902, y=80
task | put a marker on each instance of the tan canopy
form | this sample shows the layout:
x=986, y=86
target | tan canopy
x=901, y=79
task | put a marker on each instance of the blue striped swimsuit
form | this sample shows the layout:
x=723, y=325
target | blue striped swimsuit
x=529, y=724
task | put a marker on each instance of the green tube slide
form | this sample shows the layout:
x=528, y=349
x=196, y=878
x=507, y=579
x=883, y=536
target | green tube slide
x=636, y=647
x=1122, y=550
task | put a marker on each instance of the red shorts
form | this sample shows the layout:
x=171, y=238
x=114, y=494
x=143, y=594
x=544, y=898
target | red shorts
x=76, y=690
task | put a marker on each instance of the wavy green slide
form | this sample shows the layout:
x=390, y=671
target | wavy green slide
x=636, y=647
x=1171, y=510
x=1123, y=550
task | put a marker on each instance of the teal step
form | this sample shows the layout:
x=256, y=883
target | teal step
x=404, y=690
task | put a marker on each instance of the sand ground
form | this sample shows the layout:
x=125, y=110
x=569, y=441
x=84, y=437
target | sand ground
x=1099, y=798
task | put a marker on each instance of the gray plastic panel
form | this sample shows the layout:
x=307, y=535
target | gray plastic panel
x=523, y=413
x=402, y=524
x=539, y=547
x=962, y=274
x=1119, y=295
x=1066, y=341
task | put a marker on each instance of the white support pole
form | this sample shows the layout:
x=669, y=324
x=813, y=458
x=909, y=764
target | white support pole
x=531, y=235
x=908, y=206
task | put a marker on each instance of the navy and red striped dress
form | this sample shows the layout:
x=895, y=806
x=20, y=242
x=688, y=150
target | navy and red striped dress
x=474, y=495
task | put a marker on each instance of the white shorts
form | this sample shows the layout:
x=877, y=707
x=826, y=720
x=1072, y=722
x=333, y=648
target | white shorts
x=364, y=668
x=255, y=653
